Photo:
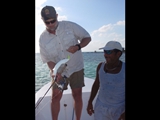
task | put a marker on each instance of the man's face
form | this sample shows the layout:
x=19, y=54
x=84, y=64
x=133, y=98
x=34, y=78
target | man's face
x=51, y=24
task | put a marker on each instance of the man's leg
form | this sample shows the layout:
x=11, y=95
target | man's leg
x=55, y=103
x=76, y=83
x=78, y=103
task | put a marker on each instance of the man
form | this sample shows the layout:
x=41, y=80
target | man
x=59, y=40
x=109, y=85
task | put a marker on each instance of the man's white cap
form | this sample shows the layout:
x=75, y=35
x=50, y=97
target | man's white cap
x=112, y=45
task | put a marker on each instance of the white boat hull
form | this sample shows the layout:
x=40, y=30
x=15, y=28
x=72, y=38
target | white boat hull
x=43, y=110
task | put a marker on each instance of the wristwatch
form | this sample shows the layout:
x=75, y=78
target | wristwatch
x=79, y=47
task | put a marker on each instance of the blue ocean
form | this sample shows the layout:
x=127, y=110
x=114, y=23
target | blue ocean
x=91, y=60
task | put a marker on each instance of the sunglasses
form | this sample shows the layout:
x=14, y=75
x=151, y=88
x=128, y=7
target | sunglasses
x=108, y=52
x=48, y=22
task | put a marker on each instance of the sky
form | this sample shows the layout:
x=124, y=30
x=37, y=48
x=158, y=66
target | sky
x=103, y=19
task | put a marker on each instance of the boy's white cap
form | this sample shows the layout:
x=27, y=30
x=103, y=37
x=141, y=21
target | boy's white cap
x=112, y=45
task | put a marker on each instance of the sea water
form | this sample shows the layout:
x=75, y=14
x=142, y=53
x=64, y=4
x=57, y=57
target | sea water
x=91, y=60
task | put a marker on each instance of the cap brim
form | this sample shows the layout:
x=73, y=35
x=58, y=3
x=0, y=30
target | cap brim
x=106, y=48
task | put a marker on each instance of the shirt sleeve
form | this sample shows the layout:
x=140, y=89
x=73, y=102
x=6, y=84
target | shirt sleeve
x=43, y=53
x=79, y=31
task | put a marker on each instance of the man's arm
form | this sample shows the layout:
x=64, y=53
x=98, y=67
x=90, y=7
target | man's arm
x=51, y=66
x=84, y=42
x=95, y=86
x=94, y=91
x=122, y=117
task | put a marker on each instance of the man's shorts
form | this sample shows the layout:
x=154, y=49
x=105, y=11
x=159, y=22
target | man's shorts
x=102, y=112
x=76, y=80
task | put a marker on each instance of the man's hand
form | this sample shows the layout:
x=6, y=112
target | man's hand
x=55, y=77
x=58, y=77
x=72, y=49
x=90, y=110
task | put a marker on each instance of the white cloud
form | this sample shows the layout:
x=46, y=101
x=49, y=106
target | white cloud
x=60, y=18
x=102, y=30
x=40, y=2
x=105, y=28
x=104, y=34
x=120, y=23
x=58, y=9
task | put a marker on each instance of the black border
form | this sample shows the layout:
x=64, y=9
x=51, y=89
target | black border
x=136, y=71
x=18, y=60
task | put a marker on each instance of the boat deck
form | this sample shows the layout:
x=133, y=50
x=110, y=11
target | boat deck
x=43, y=111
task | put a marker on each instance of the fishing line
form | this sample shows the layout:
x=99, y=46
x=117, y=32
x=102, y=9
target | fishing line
x=60, y=87
x=47, y=102
x=54, y=82
x=45, y=93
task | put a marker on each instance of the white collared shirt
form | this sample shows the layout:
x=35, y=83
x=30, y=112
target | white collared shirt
x=53, y=47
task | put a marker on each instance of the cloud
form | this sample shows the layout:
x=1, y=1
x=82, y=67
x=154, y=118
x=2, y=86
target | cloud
x=60, y=18
x=120, y=23
x=106, y=33
x=58, y=9
x=40, y=2
x=106, y=30
x=102, y=30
